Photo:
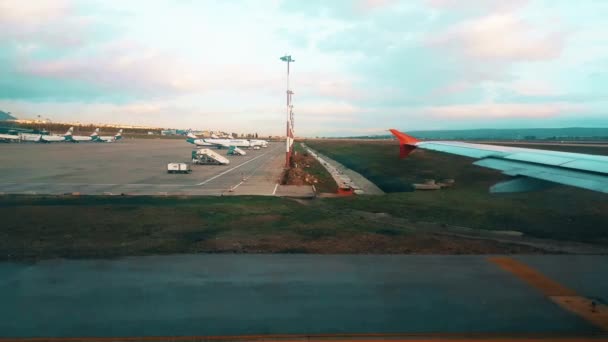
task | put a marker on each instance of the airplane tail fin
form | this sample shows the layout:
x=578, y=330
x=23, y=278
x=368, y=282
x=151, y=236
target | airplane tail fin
x=69, y=132
x=191, y=135
x=407, y=143
x=95, y=133
x=118, y=135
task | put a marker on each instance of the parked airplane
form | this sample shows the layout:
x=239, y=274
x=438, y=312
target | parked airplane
x=219, y=143
x=10, y=137
x=256, y=142
x=107, y=139
x=533, y=169
x=46, y=138
x=14, y=134
x=79, y=138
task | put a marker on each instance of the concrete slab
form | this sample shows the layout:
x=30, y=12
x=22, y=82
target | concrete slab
x=274, y=294
x=361, y=184
x=131, y=166
x=295, y=191
x=263, y=178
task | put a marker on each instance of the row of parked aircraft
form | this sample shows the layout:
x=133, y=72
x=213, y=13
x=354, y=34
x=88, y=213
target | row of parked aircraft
x=214, y=141
x=67, y=137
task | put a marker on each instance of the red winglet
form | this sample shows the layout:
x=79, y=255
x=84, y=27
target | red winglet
x=406, y=143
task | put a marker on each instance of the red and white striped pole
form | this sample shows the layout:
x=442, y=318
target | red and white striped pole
x=289, y=128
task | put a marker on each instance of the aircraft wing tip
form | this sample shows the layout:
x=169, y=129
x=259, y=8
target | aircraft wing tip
x=407, y=143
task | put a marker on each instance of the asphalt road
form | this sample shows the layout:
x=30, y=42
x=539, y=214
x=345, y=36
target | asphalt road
x=133, y=166
x=293, y=294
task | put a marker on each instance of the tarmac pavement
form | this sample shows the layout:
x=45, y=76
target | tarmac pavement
x=202, y=295
x=134, y=167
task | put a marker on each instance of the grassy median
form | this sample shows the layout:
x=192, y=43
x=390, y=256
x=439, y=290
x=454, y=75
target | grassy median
x=47, y=227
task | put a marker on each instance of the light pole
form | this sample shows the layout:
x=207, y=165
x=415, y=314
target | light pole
x=289, y=134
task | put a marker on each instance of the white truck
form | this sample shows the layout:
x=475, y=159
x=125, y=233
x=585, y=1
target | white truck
x=178, y=168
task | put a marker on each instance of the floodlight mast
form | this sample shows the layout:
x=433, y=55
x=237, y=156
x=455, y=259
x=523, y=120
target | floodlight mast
x=289, y=136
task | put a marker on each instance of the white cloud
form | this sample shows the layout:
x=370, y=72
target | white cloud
x=501, y=36
x=503, y=110
x=42, y=22
x=477, y=5
x=533, y=87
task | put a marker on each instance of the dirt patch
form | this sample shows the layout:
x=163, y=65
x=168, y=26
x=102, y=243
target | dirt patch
x=298, y=176
x=415, y=244
x=367, y=243
x=306, y=170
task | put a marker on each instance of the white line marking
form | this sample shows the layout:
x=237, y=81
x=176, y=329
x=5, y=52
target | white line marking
x=234, y=168
x=246, y=178
x=275, y=189
x=236, y=186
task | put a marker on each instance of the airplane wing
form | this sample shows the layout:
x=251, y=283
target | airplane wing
x=533, y=169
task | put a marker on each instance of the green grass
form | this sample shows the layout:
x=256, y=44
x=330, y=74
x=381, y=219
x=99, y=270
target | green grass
x=103, y=227
x=368, y=160
x=379, y=162
x=560, y=212
x=98, y=226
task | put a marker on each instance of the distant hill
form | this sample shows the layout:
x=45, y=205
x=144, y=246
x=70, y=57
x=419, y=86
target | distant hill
x=571, y=133
x=6, y=116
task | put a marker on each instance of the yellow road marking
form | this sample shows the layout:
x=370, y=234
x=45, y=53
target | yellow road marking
x=593, y=312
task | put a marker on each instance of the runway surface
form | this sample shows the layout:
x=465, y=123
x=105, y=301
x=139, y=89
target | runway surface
x=202, y=295
x=133, y=166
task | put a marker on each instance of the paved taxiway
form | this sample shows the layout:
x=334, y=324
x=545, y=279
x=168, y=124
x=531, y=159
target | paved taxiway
x=133, y=166
x=295, y=294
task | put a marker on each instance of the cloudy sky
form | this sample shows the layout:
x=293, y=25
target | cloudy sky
x=361, y=67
